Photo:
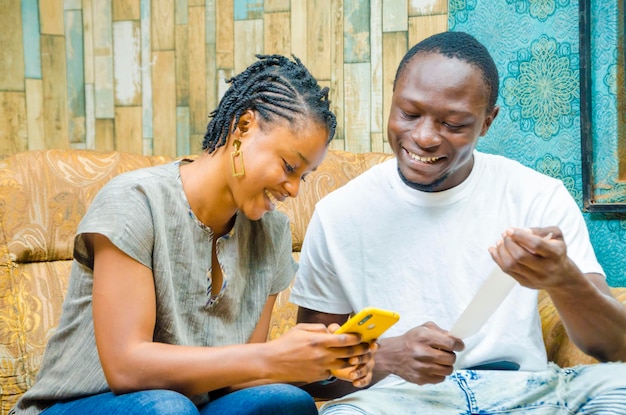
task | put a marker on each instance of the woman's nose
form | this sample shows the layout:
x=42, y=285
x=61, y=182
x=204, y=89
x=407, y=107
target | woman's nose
x=293, y=186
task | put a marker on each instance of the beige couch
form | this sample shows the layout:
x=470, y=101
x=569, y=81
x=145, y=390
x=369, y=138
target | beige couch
x=43, y=196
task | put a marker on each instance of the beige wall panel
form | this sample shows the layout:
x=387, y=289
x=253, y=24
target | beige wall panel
x=34, y=114
x=197, y=71
x=357, y=106
x=182, y=65
x=13, y=123
x=318, y=38
x=105, y=134
x=376, y=60
x=336, y=75
x=225, y=35
x=164, y=103
x=395, y=15
x=127, y=62
x=128, y=136
x=252, y=31
x=423, y=26
x=162, y=22
x=88, y=52
x=299, y=29
x=197, y=2
x=427, y=7
x=394, y=48
x=11, y=46
x=54, y=91
x=271, y=6
x=50, y=17
x=377, y=141
x=126, y=10
x=276, y=33
x=211, y=84
x=195, y=143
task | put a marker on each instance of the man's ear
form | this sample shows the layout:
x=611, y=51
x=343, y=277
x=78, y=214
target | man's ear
x=489, y=119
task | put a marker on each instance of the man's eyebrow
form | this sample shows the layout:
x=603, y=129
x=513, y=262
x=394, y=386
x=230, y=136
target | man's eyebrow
x=304, y=159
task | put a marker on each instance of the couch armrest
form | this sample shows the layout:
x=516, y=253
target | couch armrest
x=559, y=347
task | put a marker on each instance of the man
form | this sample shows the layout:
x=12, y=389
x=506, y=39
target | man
x=419, y=234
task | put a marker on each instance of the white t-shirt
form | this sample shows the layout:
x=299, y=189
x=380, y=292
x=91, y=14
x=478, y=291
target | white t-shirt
x=378, y=242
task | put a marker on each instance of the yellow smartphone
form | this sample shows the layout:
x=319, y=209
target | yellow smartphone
x=370, y=323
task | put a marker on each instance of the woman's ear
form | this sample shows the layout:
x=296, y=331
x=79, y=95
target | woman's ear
x=246, y=119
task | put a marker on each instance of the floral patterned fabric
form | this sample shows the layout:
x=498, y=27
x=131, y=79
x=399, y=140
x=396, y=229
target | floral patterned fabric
x=43, y=196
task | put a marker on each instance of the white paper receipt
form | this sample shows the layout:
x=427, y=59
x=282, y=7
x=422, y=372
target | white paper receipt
x=489, y=296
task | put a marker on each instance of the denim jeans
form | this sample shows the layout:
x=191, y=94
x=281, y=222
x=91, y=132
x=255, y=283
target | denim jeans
x=594, y=389
x=260, y=400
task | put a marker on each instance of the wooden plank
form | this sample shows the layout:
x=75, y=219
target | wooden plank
x=422, y=27
x=427, y=8
x=182, y=14
x=272, y=6
x=248, y=9
x=103, y=59
x=318, y=38
x=211, y=83
x=164, y=103
x=252, y=31
x=146, y=72
x=31, y=35
x=11, y=47
x=128, y=130
x=162, y=21
x=54, y=91
x=125, y=10
x=50, y=17
x=182, y=65
x=276, y=38
x=72, y=5
x=127, y=62
x=377, y=141
x=376, y=59
x=336, y=74
x=197, y=2
x=88, y=51
x=197, y=76
x=395, y=16
x=75, y=74
x=225, y=35
x=356, y=31
x=90, y=117
x=394, y=48
x=182, y=131
x=195, y=143
x=105, y=134
x=210, y=23
x=13, y=122
x=357, y=106
x=299, y=30
x=222, y=86
x=34, y=114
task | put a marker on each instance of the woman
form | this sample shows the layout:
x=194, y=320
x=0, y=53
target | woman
x=177, y=267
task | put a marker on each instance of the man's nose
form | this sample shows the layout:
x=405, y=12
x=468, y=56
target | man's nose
x=293, y=186
x=426, y=134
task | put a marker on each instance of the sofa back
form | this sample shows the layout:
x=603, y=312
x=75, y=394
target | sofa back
x=44, y=195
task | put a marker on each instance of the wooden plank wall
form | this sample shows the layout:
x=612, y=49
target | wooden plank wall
x=142, y=75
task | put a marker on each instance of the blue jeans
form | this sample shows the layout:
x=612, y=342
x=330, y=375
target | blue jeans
x=260, y=400
x=595, y=389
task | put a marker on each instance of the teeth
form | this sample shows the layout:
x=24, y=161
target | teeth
x=271, y=197
x=423, y=159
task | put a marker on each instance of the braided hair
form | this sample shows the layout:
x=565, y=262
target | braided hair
x=275, y=87
x=462, y=46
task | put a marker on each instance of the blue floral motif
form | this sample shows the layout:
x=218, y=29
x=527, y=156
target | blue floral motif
x=566, y=172
x=542, y=89
x=458, y=11
x=539, y=9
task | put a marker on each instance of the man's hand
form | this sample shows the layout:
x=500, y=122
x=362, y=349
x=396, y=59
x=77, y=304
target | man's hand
x=424, y=354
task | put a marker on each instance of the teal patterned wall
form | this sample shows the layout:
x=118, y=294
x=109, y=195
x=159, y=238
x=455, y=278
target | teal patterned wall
x=536, y=47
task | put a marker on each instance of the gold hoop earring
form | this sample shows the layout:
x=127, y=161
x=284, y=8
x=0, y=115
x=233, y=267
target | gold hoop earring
x=233, y=156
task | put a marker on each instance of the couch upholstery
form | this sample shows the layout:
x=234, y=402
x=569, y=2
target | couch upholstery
x=43, y=196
